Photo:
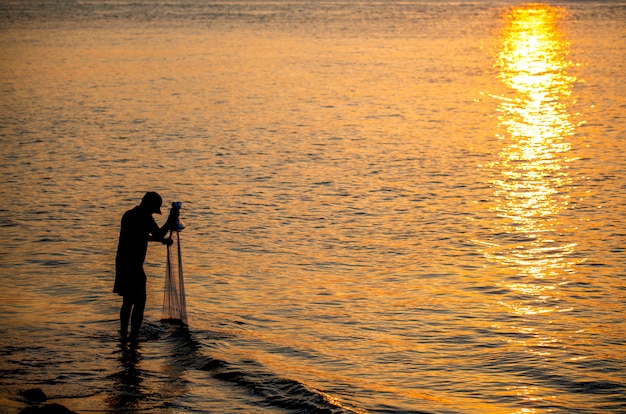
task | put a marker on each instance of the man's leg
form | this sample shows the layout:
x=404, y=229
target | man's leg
x=137, y=316
x=127, y=306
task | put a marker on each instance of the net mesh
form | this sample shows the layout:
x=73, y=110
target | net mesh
x=174, y=304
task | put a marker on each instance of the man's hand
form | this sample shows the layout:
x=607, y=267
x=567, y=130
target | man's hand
x=168, y=241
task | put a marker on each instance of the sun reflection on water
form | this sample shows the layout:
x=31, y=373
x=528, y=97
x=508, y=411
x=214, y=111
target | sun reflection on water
x=533, y=243
x=531, y=179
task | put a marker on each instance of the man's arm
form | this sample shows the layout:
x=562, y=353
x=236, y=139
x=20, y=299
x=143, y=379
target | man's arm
x=158, y=234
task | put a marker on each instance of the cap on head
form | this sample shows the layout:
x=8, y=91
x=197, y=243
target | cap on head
x=152, y=201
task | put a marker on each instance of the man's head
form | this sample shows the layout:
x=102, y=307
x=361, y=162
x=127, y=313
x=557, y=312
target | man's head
x=152, y=201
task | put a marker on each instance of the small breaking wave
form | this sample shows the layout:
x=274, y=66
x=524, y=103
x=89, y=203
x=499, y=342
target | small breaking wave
x=252, y=376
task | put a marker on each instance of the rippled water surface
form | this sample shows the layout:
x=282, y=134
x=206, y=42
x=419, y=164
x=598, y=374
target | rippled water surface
x=390, y=206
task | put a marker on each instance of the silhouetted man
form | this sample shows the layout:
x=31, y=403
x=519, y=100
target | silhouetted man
x=137, y=229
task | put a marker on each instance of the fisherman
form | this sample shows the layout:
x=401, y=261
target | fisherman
x=137, y=229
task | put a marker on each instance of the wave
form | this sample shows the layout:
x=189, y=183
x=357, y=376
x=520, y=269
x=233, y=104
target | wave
x=273, y=389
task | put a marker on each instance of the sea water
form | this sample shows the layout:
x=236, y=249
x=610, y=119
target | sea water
x=391, y=206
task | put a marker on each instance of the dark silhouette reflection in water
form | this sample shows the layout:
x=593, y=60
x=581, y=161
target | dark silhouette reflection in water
x=152, y=383
x=127, y=391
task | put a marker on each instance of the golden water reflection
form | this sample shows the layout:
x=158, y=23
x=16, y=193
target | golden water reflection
x=533, y=244
x=534, y=241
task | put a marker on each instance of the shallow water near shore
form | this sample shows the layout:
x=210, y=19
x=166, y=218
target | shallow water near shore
x=391, y=207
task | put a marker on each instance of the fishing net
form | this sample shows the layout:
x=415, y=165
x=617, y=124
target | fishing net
x=174, y=304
